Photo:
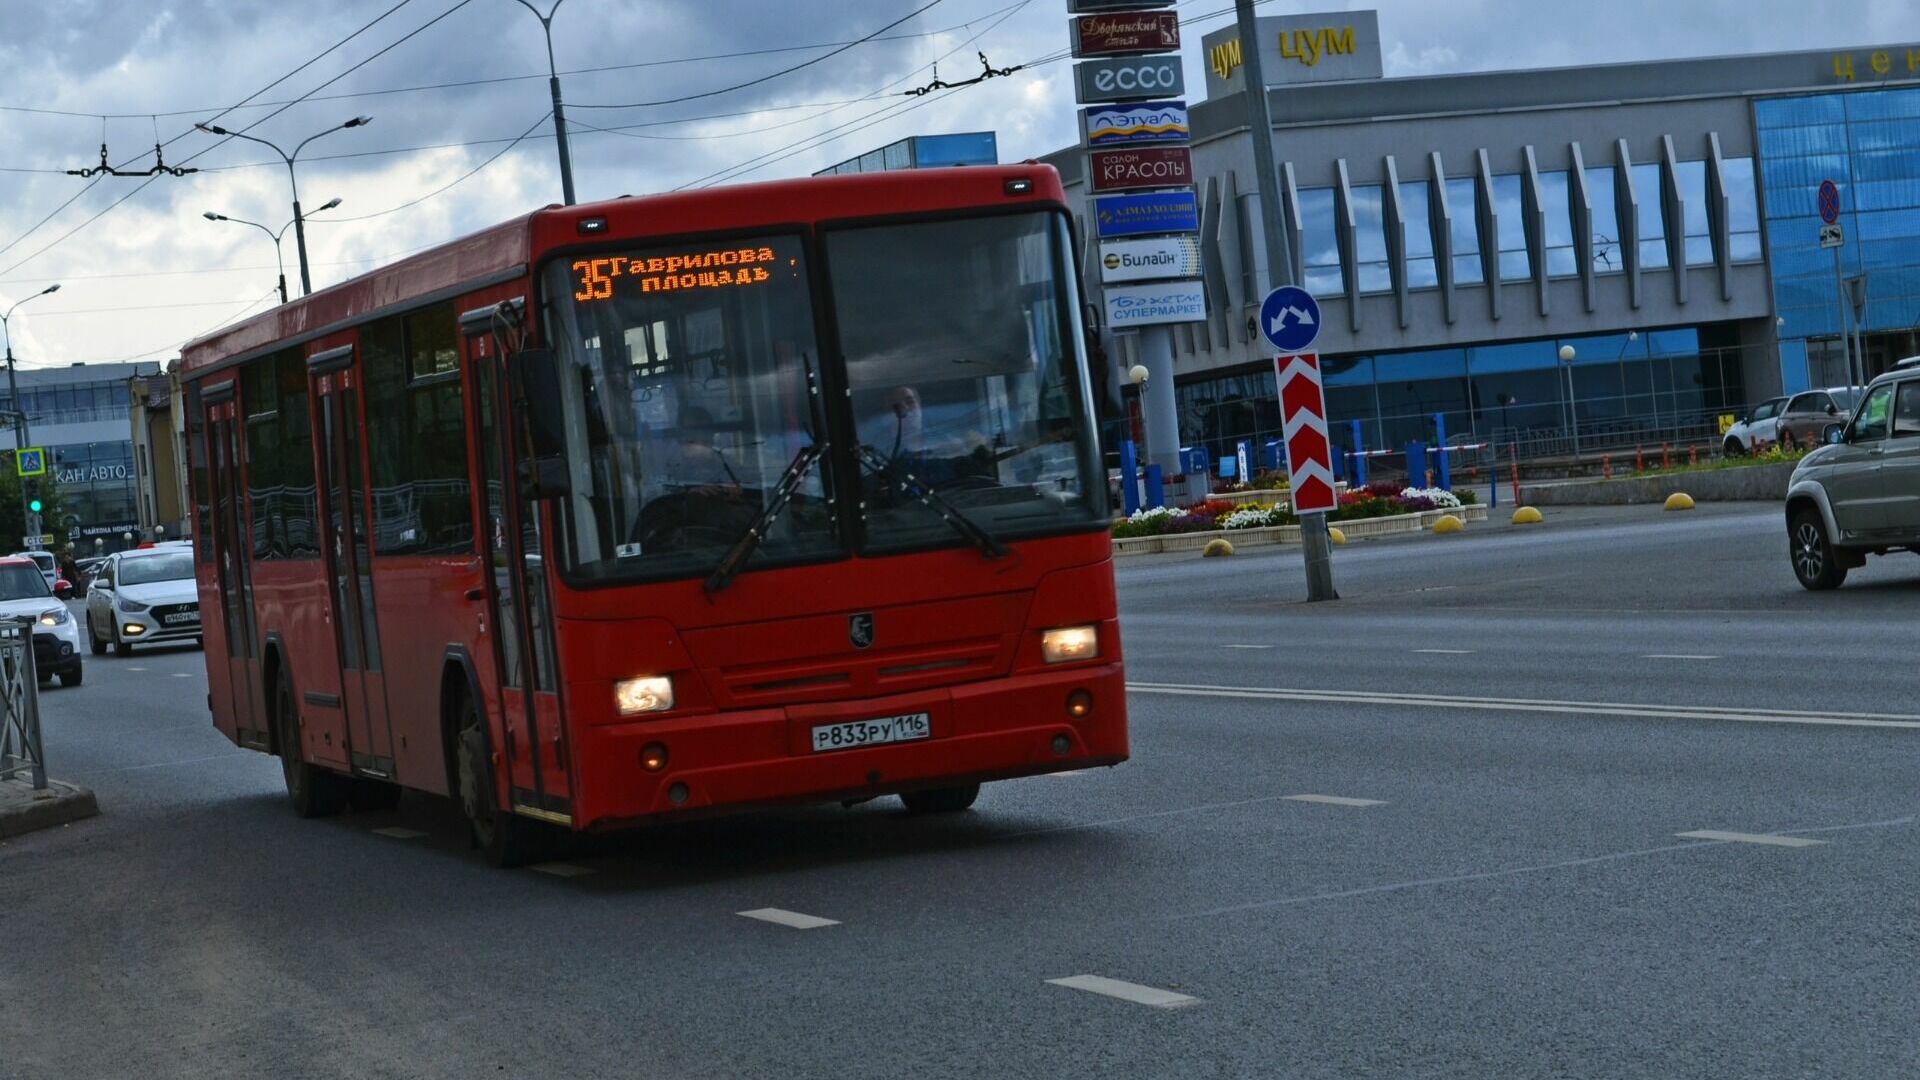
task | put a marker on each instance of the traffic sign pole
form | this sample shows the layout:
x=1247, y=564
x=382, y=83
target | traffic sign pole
x=1315, y=545
x=1828, y=202
x=1290, y=321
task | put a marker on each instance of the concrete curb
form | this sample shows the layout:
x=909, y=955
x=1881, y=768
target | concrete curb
x=24, y=810
x=1751, y=483
x=1290, y=534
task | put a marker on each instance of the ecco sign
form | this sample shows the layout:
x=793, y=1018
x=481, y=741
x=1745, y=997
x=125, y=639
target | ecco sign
x=1154, y=258
x=1127, y=79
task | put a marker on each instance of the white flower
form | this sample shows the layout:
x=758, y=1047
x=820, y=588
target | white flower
x=1439, y=497
x=1244, y=519
x=1142, y=516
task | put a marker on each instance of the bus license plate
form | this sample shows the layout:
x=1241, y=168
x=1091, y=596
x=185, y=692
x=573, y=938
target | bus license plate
x=888, y=729
x=182, y=617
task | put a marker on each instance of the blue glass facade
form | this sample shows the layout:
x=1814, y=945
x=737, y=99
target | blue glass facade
x=1868, y=143
x=1640, y=383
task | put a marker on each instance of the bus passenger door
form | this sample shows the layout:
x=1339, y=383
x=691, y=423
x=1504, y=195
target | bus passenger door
x=346, y=551
x=232, y=550
x=517, y=602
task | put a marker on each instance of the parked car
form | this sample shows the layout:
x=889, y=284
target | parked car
x=56, y=635
x=142, y=596
x=1859, y=495
x=89, y=568
x=1756, y=430
x=1807, y=416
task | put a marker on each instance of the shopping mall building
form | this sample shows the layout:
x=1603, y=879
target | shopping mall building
x=1658, y=217
x=81, y=415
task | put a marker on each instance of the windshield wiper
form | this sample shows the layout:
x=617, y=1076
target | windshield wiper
x=749, y=541
x=932, y=500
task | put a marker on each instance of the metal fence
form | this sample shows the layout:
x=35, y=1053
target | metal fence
x=21, y=752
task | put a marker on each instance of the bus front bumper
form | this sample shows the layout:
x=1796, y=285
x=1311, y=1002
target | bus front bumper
x=991, y=730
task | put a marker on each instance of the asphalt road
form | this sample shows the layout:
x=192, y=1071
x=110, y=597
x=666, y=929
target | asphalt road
x=1515, y=902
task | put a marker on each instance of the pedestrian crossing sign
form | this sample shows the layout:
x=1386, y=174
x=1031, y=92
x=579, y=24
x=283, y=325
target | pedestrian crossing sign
x=31, y=461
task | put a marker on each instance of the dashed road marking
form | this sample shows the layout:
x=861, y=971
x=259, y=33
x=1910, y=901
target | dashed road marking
x=1446, y=652
x=1678, y=656
x=183, y=674
x=783, y=917
x=136, y=669
x=1151, y=996
x=1334, y=800
x=1068, y=772
x=1774, y=839
x=561, y=869
x=398, y=833
x=1246, y=646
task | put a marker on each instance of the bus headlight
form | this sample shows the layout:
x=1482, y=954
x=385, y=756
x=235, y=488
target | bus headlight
x=1070, y=643
x=648, y=693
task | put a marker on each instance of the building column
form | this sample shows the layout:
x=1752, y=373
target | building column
x=1157, y=409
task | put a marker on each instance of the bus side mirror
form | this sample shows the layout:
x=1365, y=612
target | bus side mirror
x=534, y=375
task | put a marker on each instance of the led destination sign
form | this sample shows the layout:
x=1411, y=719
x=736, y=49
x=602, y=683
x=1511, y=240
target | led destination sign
x=724, y=268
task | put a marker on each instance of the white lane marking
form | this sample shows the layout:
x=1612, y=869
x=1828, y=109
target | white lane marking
x=560, y=869
x=1246, y=646
x=1334, y=800
x=1151, y=996
x=236, y=755
x=398, y=833
x=136, y=669
x=1677, y=656
x=1068, y=772
x=1446, y=652
x=183, y=674
x=784, y=917
x=1749, y=838
x=1898, y=721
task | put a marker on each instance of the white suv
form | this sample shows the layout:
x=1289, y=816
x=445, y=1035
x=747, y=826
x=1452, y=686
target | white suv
x=1859, y=494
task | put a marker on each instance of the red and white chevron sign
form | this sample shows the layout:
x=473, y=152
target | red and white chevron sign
x=1303, y=423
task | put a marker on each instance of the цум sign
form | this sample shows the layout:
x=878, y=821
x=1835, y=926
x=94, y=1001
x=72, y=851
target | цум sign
x=1157, y=304
x=1140, y=167
x=1128, y=78
x=1146, y=214
x=1138, y=124
x=1149, y=259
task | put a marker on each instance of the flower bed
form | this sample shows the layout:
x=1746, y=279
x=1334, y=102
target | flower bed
x=1222, y=515
x=1256, y=536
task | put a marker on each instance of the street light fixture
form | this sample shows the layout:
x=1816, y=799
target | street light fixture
x=299, y=223
x=277, y=254
x=1573, y=400
x=559, y=112
x=13, y=388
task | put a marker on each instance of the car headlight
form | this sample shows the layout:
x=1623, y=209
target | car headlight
x=1070, y=643
x=56, y=617
x=648, y=693
x=133, y=605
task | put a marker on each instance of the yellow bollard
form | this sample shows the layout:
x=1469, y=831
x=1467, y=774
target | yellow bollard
x=1679, y=500
x=1215, y=549
x=1448, y=524
x=1335, y=535
x=1527, y=515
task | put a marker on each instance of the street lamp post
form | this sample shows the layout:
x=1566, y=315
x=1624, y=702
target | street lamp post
x=1573, y=399
x=293, y=181
x=13, y=388
x=278, y=255
x=559, y=112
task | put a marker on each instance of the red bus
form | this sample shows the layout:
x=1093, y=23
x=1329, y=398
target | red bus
x=663, y=506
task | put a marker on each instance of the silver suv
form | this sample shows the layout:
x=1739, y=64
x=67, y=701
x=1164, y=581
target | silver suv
x=1859, y=495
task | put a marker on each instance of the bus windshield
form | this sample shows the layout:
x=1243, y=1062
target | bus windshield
x=962, y=378
x=694, y=363
x=692, y=368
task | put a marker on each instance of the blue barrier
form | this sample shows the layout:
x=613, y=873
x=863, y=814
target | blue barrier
x=1129, y=478
x=1359, y=477
x=1440, y=443
x=1156, y=491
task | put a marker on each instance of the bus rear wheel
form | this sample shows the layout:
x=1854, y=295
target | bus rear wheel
x=949, y=800
x=316, y=792
x=507, y=838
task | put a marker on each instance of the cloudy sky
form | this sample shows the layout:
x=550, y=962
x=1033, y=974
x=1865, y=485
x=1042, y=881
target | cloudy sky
x=141, y=269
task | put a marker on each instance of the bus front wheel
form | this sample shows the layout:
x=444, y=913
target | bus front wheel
x=507, y=838
x=940, y=800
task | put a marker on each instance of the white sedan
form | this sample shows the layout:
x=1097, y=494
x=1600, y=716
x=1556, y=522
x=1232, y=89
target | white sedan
x=142, y=596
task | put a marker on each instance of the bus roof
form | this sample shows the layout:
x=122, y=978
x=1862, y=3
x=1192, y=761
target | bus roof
x=503, y=251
